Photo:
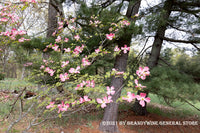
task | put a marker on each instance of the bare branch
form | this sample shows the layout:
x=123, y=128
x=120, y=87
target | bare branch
x=180, y=41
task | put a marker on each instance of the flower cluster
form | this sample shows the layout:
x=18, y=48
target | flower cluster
x=94, y=21
x=9, y=17
x=142, y=98
x=143, y=72
x=50, y=71
x=85, y=62
x=13, y=34
x=65, y=107
x=84, y=99
x=28, y=64
x=73, y=70
x=125, y=49
x=107, y=99
x=64, y=77
x=124, y=23
x=117, y=72
x=30, y=1
x=78, y=49
x=85, y=83
x=110, y=36
x=104, y=101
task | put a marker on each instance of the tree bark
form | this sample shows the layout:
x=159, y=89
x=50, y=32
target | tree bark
x=52, y=23
x=160, y=34
x=155, y=51
x=111, y=111
x=109, y=122
x=52, y=19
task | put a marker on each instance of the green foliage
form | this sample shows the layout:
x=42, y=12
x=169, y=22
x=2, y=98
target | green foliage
x=172, y=85
x=37, y=43
x=189, y=65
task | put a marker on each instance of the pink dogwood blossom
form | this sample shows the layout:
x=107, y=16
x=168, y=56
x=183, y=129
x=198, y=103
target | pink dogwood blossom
x=51, y=72
x=85, y=62
x=125, y=49
x=86, y=83
x=60, y=25
x=110, y=36
x=63, y=107
x=125, y=22
x=64, y=77
x=76, y=37
x=116, y=49
x=139, y=85
x=130, y=97
x=66, y=40
x=58, y=39
x=110, y=90
x=73, y=70
x=104, y=101
x=78, y=49
x=67, y=50
x=117, y=72
x=91, y=83
x=64, y=63
x=142, y=99
x=142, y=73
x=3, y=19
x=97, y=50
x=55, y=47
x=42, y=67
x=21, y=39
x=84, y=99
x=51, y=105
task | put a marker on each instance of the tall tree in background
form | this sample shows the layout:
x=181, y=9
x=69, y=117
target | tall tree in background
x=111, y=111
x=156, y=48
x=55, y=9
x=160, y=34
x=174, y=15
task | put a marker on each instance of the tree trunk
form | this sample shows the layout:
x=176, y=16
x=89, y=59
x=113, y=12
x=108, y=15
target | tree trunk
x=155, y=51
x=23, y=73
x=160, y=34
x=109, y=122
x=52, y=19
x=111, y=111
x=52, y=23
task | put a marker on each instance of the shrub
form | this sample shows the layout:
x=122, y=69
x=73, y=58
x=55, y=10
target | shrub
x=172, y=85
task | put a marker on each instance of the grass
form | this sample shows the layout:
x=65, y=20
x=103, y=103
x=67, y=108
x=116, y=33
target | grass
x=15, y=84
x=181, y=109
x=5, y=108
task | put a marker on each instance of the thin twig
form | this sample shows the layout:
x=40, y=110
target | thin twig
x=20, y=118
x=13, y=105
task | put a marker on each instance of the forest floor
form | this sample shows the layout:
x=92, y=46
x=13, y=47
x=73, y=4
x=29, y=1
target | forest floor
x=128, y=123
x=162, y=118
